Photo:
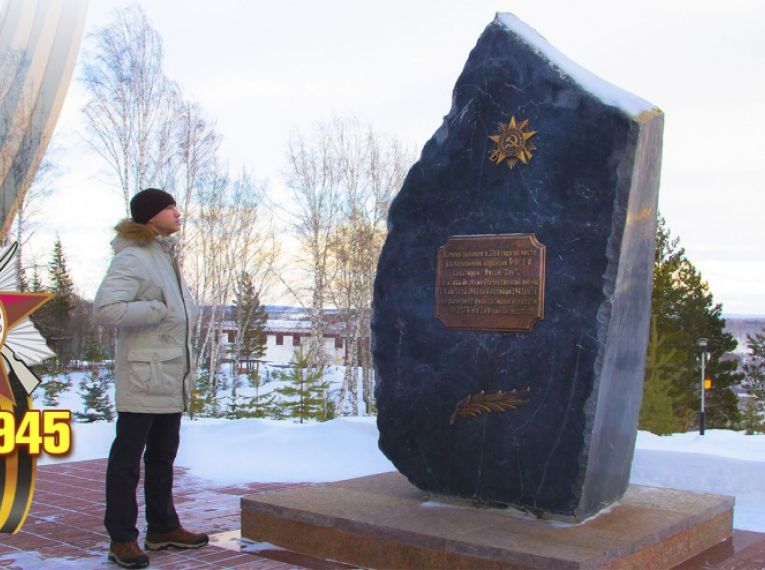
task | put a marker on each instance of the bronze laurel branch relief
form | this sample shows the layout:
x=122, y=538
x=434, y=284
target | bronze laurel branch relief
x=484, y=403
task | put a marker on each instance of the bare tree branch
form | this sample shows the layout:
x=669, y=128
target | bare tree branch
x=131, y=102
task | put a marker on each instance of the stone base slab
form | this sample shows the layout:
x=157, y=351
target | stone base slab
x=382, y=521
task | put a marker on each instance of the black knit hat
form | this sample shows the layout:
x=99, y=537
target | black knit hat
x=148, y=203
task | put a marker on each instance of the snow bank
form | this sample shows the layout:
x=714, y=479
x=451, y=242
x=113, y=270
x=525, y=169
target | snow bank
x=271, y=450
x=721, y=461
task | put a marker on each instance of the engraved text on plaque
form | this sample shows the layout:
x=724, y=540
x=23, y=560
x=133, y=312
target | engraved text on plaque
x=490, y=282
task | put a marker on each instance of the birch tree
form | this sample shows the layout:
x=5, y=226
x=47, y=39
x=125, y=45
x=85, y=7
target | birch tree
x=311, y=178
x=27, y=209
x=131, y=103
x=230, y=240
x=342, y=177
x=370, y=169
x=197, y=143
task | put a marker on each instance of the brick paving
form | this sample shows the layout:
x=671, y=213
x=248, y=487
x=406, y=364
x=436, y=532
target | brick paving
x=64, y=529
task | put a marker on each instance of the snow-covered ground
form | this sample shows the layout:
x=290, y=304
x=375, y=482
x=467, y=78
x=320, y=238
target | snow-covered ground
x=724, y=462
x=253, y=450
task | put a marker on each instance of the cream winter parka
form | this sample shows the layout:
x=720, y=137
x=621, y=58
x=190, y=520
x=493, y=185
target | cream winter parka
x=145, y=297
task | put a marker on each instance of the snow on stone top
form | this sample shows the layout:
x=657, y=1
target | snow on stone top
x=606, y=92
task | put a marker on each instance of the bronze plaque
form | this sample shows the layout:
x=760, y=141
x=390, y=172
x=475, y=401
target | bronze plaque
x=492, y=282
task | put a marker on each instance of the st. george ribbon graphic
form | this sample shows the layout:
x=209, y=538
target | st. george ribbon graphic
x=21, y=347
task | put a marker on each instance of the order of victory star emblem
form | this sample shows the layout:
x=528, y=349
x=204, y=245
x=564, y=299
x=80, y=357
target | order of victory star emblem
x=21, y=345
x=513, y=143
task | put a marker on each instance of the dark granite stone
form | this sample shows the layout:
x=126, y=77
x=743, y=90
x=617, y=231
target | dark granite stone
x=589, y=194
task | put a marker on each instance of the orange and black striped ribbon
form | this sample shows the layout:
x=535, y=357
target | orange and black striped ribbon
x=17, y=469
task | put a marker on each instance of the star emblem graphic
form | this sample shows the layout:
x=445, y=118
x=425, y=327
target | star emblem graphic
x=21, y=344
x=513, y=143
x=14, y=307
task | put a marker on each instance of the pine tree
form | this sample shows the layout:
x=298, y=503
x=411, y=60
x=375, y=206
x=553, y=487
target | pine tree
x=52, y=386
x=662, y=370
x=305, y=390
x=94, y=388
x=54, y=317
x=259, y=406
x=685, y=311
x=36, y=285
x=235, y=402
x=95, y=397
x=256, y=406
x=202, y=397
x=239, y=406
x=753, y=420
x=250, y=317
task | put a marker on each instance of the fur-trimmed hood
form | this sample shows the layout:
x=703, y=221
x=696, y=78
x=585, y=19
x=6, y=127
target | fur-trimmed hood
x=130, y=233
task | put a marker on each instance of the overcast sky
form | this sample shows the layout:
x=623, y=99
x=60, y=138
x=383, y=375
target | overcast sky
x=262, y=67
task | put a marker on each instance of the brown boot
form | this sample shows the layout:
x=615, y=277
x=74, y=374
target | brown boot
x=128, y=554
x=179, y=538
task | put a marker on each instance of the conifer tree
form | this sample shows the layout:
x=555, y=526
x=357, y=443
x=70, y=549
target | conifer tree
x=250, y=317
x=36, y=286
x=206, y=399
x=305, y=390
x=685, y=311
x=54, y=317
x=255, y=406
x=261, y=406
x=235, y=402
x=52, y=386
x=663, y=367
x=753, y=419
x=97, y=405
x=202, y=397
x=55, y=380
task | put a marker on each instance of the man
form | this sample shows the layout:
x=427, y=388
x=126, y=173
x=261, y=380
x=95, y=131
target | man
x=145, y=297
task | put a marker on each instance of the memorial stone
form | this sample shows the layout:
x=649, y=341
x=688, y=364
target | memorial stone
x=512, y=298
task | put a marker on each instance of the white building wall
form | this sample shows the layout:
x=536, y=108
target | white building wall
x=282, y=354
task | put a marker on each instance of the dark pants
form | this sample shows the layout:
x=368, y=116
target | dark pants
x=159, y=435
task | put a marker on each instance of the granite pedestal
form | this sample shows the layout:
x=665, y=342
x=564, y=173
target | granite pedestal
x=383, y=521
